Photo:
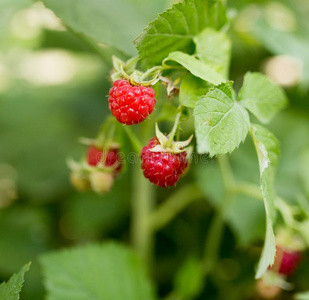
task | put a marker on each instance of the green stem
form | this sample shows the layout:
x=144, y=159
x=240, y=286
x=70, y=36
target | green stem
x=285, y=211
x=172, y=134
x=217, y=225
x=107, y=132
x=142, y=201
x=134, y=140
x=142, y=204
x=248, y=189
x=226, y=172
x=214, y=237
x=172, y=206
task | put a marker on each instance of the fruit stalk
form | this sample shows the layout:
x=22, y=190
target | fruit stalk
x=173, y=205
x=175, y=127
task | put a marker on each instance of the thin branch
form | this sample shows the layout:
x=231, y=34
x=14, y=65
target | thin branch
x=134, y=140
x=172, y=206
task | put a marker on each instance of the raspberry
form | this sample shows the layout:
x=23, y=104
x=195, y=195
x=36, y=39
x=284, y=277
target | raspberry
x=94, y=156
x=162, y=168
x=131, y=104
x=288, y=260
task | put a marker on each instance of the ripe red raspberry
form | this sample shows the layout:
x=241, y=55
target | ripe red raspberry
x=131, y=104
x=94, y=156
x=289, y=261
x=162, y=168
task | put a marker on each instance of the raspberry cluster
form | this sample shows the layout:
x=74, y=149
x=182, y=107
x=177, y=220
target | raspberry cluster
x=105, y=166
x=131, y=104
x=162, y=168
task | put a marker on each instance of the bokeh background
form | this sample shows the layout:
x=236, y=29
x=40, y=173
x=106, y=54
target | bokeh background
x=53, y=89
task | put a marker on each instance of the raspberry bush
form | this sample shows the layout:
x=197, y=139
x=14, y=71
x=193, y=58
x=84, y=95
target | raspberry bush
x=193, y=161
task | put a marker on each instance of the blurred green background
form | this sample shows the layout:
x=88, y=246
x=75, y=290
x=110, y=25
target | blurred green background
x=53, y=89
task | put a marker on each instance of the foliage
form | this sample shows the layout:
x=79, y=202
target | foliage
x=10, y=290
x=95, y=271
x=202, y=239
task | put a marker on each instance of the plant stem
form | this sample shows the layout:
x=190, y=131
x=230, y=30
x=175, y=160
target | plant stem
x=134, y=140
x=172, y=206
x=248, y=189
x=214, y=236
x=226, y=172
x=217, y=225
x=142, y=203
x=172, y=134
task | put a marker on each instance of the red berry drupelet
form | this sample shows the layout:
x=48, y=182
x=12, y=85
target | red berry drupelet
x=162, y=168
x=131, y=104
x=288, y=259
x=94, y=156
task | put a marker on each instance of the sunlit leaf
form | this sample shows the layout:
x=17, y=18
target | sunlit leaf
x=191, y=89
x=175, y=29
x=221, y=124
x=197, y=67
x=262, y=97
x=214, y=48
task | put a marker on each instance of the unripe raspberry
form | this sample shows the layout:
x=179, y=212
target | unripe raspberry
x=131, y=104
x=101, y=182
x=162, y=168
x=79, y=181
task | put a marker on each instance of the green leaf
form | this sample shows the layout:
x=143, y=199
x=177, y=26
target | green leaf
x=10, y=290
x=267, y=148
x=191, y=89
x=221, y=124
x=262, y=97
x=214, y=49
x=112, y=22
x=197, y=67
x=189, y=279
x=176, y=27
x=96, y=272
x=302, y=296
